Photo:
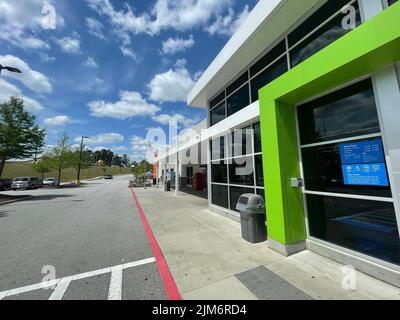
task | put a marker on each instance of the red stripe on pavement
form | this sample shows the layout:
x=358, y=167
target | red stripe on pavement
x=168, y=280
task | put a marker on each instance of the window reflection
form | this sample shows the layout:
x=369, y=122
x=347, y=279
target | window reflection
x=235, y=193
x=267, y=76
x=368, y=227
x=241, y=171
x=219, y=196
x=239, y=100
x=217, y=114
x=345, y=113
x=326, y=35
x=219, y=172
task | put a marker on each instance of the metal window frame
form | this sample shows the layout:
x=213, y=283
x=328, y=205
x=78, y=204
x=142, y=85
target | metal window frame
x=283, y=37
x=356, y=197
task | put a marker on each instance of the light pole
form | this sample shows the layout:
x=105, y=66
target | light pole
x=148, y=146
x=11, y=69
x=78, y=181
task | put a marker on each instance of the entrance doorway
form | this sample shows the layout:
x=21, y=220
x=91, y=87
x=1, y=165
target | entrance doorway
x=347, y=192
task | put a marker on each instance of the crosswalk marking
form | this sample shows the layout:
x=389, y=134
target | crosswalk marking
x=61, y=285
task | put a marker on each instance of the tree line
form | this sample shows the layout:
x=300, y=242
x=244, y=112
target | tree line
x=22, y=138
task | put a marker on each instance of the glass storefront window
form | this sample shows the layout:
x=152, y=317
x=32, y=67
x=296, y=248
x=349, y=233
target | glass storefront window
x=239, y=142
x=323, y=171
x=217, y=148
x=237, y=83
x=235, y=193
x=342, y=114
x=219, y=196
x=267, y=76
x=268, y=58
x=241, y=171
x=217, y=114
x=259, y=171
x=368, y=227
x=257, y=138
x=239, y=100
x=217, y=100
x=219, y=172
x=237, y=173
x=324, y=36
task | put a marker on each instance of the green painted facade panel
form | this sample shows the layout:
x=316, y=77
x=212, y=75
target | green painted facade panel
x=366, y=49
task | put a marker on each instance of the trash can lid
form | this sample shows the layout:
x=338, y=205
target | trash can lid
x=249, y=201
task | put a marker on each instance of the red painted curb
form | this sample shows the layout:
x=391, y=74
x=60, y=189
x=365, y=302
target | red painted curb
x=168, y=280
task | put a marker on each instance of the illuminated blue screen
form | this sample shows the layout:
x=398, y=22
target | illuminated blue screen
x=363, y=163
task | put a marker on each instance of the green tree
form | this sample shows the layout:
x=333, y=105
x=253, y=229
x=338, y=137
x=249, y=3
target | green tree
x=38, y=144
x=125, y=160
x=140, y=169
x=86, y=160
x=20, y=137
x=42, y=167
x=60, y=156
x=105, y=155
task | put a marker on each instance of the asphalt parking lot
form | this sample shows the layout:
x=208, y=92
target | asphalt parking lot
x=79, y=243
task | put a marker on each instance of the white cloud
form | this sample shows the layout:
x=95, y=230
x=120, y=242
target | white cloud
x=57, y=121
x=165, y=119
x=90, y=63
x=131, y=104
x=32, y=79
x=228, y=24
x=46, y=58
x=7, y=90
x=173, y=85
x=69, y=44
x=179, y=15
x=103, y=139
x=175, y=45
x=119, y=149
x=96, y=28
x=21, y=23
x=139, y=147
x=127, y=52
x=93, y=85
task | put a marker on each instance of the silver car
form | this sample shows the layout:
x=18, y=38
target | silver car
x=51, y=182
x=29, y=183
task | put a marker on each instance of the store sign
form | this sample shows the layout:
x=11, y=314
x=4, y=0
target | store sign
x=363, y=163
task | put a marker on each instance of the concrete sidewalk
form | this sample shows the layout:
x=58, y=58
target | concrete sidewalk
x=209, y=259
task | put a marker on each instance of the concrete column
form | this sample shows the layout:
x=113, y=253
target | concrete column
x=387, y=94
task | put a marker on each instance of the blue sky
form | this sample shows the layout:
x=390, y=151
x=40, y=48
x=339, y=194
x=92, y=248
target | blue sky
x=112, y=69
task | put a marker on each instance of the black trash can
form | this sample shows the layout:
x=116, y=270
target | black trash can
x=167, y=186
x=252, y=218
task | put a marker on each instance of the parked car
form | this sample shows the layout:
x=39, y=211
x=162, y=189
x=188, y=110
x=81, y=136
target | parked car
x=5, y=184
x=30, y=183
x=50, y=182
x=108, y=177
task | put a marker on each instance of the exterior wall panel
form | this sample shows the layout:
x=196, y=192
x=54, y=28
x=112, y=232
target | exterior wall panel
x=364, y=50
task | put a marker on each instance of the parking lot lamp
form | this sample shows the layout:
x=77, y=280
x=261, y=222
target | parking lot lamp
x=78, y=181
x=11, y=69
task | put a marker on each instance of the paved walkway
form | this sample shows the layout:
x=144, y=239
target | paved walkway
x=209, y=260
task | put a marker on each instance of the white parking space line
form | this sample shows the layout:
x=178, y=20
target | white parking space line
x=63, y=283
x=61, y=288
x=115, y=289
x=38, y=286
